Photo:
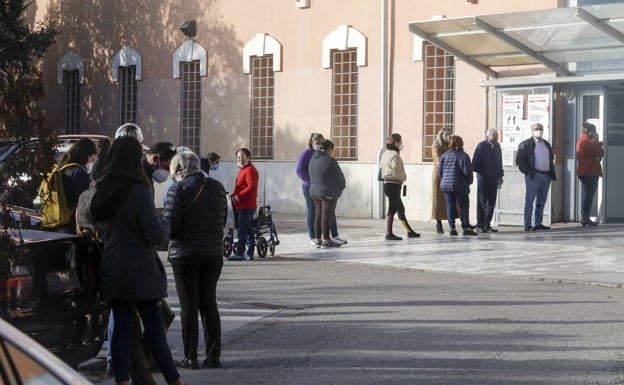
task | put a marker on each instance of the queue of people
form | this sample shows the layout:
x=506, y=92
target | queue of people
x=115, y=202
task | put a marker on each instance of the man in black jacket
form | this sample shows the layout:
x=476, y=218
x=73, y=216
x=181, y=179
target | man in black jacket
x=487, y=162
x=535, y=160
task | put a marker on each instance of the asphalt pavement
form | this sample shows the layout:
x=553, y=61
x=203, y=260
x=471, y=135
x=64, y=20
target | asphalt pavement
x=568, y=257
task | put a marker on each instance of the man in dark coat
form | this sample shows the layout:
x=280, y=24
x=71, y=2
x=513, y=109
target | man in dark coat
x=487, y=162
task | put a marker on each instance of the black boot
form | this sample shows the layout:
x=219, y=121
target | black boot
x=389, y=235
x=410, y=233
x=439, y=227
x=585, y=221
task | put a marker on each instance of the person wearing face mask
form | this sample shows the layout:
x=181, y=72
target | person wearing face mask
x=245, y=198
x=393, y=175
x=535, y=159
x=438, y=203
x=314, y=144
x=487, y=162
x=196, y=209
x=158, y=159
x=456, y=176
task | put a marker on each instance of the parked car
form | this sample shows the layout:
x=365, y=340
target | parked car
x=13, y=152
x=24, y=361
x=49, y=288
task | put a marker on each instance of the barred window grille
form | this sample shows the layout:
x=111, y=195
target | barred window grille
x=190, y=111
x=344, y=106
x=439, y=94
x=262, y=99
x=127, y=95
x=71, y=117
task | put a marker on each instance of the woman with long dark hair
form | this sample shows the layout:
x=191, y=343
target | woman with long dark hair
x=131, y=273
x=76, y=179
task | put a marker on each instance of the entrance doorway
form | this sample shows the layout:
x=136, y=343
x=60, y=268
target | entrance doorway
x=614, y=156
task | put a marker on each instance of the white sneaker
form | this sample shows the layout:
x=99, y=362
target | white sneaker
x=314, y=243
x=340, y=241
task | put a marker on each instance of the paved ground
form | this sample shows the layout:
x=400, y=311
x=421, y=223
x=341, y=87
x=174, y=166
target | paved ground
x=568, y=252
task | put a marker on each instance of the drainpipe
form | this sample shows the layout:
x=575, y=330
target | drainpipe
x=383, y=129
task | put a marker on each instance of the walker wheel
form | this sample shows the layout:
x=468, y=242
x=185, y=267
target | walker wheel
x=262, y=247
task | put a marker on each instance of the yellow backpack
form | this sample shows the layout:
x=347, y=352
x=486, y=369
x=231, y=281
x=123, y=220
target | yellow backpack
x=54, y=207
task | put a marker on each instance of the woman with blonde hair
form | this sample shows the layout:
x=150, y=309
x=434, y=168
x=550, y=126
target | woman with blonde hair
x=393, y=175
x=438, y=203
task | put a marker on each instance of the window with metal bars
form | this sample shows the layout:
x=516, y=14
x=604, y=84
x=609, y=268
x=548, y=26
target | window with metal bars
x=262, y=92
x=127, y=95
x=71, y=88
x=344, y=105
x=190, y=109
x=439, y=94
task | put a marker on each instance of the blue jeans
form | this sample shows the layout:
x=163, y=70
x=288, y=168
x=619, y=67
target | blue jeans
x=536, y=190
x=589, y=185
x=155, y=333
x=245, y=232
x=310, y=217
x=452, y=199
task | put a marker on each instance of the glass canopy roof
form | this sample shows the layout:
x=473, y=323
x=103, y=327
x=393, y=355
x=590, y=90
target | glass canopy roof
x=570, y=42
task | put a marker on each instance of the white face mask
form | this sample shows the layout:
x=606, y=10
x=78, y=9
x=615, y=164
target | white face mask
x=538, y=134
x=160, y=175
x=317, y=147
x=401, y=147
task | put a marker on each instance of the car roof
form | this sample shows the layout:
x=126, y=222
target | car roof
x=41, y=355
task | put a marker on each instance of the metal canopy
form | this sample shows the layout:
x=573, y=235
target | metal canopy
x=571, y=42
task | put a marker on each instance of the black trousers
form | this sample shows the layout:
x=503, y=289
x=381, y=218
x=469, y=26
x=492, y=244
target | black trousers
x=395, y=203
x=486, y=200
x=196, y=284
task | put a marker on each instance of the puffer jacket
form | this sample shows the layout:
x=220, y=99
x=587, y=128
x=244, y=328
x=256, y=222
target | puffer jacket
x=455, y=172
x=196, y=227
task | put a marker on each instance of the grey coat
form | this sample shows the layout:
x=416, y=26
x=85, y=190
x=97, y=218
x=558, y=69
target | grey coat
x=326, y=177
x=130, y=267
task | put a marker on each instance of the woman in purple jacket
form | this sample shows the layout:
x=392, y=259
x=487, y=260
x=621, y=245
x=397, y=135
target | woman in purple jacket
x=314, y=144
x=455, y=172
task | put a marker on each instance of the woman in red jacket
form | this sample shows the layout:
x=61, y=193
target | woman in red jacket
x=589, y=153
x=244, y=197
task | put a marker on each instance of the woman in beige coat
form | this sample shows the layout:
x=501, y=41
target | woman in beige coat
x=439, y=147
x=393, y=175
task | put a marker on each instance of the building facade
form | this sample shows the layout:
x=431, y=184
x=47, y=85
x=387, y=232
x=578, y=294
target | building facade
x=266, y=74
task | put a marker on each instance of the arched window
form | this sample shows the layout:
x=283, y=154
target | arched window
x=262, y=57
x=189, y=65
x=70, y=75
x=344, y=50
x=127, y=73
